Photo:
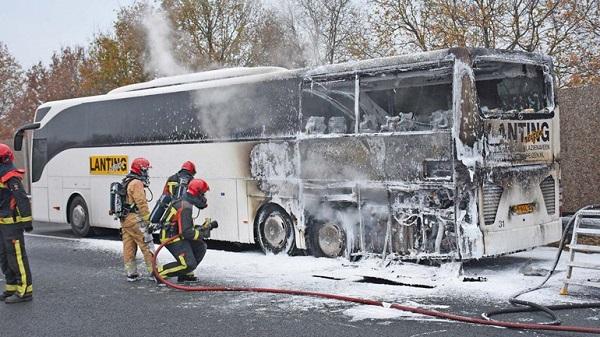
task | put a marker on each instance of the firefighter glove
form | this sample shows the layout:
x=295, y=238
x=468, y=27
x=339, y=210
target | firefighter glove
x=28, y=227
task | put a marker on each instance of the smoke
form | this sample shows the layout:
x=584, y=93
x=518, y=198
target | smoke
x=159, y=38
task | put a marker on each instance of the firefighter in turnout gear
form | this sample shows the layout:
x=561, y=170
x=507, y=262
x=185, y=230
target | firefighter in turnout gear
x=133, y=225
x=15, y=217
x=177, y=184
x=189, y=247
x=174, y=189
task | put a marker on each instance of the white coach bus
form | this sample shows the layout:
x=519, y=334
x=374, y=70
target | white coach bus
x=444, y=154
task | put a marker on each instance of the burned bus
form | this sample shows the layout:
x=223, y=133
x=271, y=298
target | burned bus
x=449, y=154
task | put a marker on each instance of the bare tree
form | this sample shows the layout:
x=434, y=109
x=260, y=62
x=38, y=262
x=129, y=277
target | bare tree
x=213, y=32
x=11, y=80
x=117, y=58
x=331, y=27
x=568, y=30
x=275, y=41
x=402, y=25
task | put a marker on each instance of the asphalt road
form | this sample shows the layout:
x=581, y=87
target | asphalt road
x=80, y=291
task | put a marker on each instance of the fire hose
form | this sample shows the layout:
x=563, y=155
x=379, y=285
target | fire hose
x=417, y=310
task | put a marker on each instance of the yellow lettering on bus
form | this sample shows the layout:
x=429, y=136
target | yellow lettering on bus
x=109, y=165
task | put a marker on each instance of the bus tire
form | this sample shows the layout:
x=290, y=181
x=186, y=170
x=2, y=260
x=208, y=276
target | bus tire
x=79, y=217
x=274, y=230
x=326, y=239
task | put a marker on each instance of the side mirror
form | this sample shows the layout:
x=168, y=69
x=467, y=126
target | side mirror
x=18, y=138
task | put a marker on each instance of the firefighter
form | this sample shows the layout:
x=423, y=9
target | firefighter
x=189, y=247
x=15, y=217
x=133, y=226
x=177, y=184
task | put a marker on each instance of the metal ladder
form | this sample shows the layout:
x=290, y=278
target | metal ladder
x=590, y=228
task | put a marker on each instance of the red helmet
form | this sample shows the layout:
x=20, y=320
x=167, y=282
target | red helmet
x=197, y=187
x=140, y=166
x=189, y=166
x=6, y=154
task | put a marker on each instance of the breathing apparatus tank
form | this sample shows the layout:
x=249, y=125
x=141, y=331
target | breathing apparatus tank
x=159, y=209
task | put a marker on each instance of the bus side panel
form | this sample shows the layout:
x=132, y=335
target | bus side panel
x=245, y=230
x=39, y=203
x=222, y=206
x=55, y=200
x=399, y=158
x=98, y=203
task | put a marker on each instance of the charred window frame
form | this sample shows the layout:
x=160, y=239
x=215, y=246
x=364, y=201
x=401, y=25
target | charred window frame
x=511, y=90
x=404, y=100
x=328, y=106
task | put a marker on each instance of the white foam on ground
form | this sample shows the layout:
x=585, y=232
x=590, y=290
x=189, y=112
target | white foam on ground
x=272, y=271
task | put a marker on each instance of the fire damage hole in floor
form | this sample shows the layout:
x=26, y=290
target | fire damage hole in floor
x=328, y=277
x=379, y=280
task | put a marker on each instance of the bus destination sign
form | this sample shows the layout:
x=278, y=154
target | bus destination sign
x=108, y=165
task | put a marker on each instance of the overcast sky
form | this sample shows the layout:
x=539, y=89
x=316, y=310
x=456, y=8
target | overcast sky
x=33, y=29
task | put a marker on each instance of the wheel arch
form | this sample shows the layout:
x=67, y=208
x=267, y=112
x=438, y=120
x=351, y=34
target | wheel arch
x=261, y=209
x=70, y=201
x=268, y=208
x=314, y=224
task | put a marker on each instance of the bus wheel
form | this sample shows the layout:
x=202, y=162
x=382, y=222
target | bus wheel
x=79, y=217
x=274, y=230
x=327, y=239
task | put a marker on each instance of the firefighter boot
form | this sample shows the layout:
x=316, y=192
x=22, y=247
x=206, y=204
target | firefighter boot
x=14, y=298
x=187, y=278
x=133, y=277
x=5, y=295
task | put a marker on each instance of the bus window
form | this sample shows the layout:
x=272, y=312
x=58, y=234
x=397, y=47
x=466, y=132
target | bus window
x=41, y=113
x=328, y=107
x=39, y=158
x=409, y=101
x=504, y=89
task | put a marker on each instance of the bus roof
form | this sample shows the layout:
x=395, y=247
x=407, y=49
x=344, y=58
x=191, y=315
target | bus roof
x=428, y=57
x=204, y=76
x=239, y=75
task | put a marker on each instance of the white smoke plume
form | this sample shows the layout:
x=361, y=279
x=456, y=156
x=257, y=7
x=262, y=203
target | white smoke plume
x=159, y=37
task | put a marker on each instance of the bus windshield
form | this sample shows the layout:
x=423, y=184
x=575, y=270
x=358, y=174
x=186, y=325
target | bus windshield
x=509, y=89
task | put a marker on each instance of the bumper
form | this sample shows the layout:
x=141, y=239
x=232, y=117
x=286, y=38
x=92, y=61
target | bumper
x=511, y=240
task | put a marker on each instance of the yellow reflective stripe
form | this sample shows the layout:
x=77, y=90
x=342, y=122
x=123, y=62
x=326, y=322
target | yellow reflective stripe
x=181, y=266
x=171, y=186
x=2, y=185
x=10, y=287
x=21, y=288
x=196, y=234
x=30, y=289
x=172, y=213
x=10, y=220
x=164, y=238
